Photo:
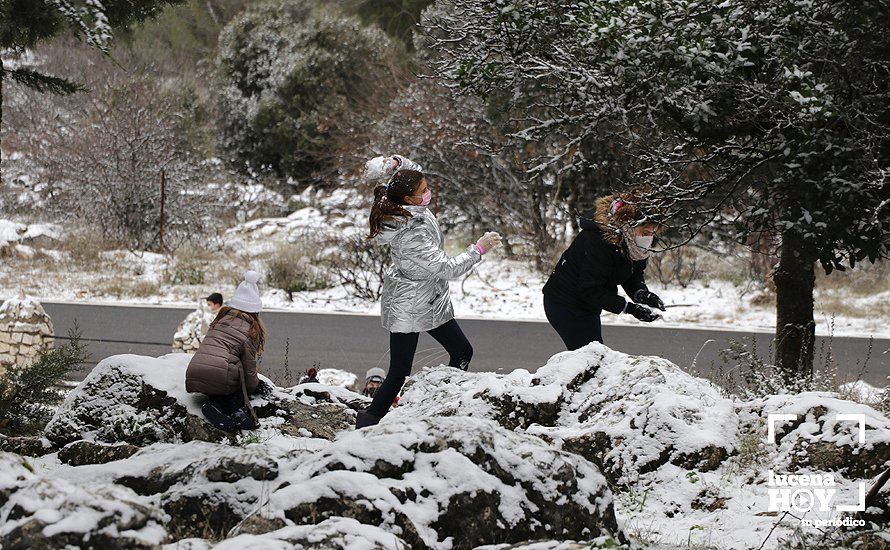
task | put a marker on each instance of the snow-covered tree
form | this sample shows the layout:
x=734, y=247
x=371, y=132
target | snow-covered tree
x=773, y=113
x=296, y=77
x=100, y=161
x=478, y=173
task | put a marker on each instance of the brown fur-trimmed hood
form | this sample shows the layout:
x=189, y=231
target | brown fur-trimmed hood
x=598, y=218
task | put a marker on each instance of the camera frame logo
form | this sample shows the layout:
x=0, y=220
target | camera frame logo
x=802, y=493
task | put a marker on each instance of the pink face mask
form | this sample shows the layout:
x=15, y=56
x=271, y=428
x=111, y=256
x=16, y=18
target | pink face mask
x=426, y=198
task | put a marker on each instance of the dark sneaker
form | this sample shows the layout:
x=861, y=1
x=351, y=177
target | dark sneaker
x=243, y=420
x=364, y=419
x=263, y=389
x=218, y=418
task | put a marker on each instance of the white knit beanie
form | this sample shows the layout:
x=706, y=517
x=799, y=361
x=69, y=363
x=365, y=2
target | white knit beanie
x=376, y=371
x=247, y=297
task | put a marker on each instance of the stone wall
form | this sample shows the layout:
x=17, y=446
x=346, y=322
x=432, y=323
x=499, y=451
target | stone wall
x=192, y=329
x=25, y=331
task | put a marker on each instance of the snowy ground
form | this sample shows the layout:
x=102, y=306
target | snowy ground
x=498, y=289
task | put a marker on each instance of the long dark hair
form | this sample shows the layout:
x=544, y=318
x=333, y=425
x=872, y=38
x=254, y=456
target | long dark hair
x=257, y=331
x=389, y=199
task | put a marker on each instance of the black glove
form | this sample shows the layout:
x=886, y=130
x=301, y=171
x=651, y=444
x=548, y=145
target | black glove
x=643, y=296
x=640, y=312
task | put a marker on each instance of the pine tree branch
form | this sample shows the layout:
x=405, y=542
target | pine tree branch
x=43, y=82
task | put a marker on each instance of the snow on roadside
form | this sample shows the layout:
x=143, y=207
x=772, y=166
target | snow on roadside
x=14, y=232
x=497, y=289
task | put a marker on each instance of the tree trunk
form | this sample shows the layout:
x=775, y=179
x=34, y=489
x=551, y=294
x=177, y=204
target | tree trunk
x=2, y=74
x=795, y=279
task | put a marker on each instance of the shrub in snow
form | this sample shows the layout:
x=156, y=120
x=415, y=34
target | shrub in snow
x=109, y=178
x=359, y=265
x=627, y=414
x=455, y=482
x=292, y=270
x=295, y=77
x=28, y=390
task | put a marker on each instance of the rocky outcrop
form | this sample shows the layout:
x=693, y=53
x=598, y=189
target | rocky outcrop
x=461, y=482
x=132, y=399
x=142, y=400
x=80, y=453
x=817, y=440
x=467, y=459
x=54, y=513
x=25, y=331
x=628, y=415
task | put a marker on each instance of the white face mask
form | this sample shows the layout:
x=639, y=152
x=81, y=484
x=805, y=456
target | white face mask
x=644, y=242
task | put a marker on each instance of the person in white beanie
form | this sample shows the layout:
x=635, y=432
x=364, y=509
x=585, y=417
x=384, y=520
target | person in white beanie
x=415, y=296
x=373, y=379
x=224, y=368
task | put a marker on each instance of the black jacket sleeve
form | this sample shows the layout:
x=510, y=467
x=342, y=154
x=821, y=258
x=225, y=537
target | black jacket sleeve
x=636, y=281
x=593, y=282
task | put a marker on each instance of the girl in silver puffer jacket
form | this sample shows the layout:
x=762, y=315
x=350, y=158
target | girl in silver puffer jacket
x=415, y=294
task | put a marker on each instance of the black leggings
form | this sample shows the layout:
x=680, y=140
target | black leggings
x=576, y=328
x=403, y=345
x=228, y=404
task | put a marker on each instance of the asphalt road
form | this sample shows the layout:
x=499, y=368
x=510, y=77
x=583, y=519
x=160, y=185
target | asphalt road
x=356, y=343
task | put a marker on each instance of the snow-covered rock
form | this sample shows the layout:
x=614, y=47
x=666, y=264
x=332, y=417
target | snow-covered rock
x=336, y=377
x=450, y=483
x=627, y=414
x=14, y=471
x=12, y=233
x=80, y=453
x=816, y=440
x=331, y=534
x=55, y=513
x=142, y=400
x=132, y=399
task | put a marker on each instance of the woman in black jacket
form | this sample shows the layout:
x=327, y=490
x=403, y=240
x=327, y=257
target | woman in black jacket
x=610, y=250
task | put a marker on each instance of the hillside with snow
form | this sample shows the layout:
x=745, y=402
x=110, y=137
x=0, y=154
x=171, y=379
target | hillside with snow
x=595, y=446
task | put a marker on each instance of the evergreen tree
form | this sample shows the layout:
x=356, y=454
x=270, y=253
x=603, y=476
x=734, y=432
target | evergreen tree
x=297, y=79
x=773, y=114
x=27, y=392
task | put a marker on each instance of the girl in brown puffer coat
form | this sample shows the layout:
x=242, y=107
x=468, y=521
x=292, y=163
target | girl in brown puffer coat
x=224, y=367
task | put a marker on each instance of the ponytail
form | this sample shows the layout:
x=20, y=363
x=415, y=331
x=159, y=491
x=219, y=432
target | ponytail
x=389, y=198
